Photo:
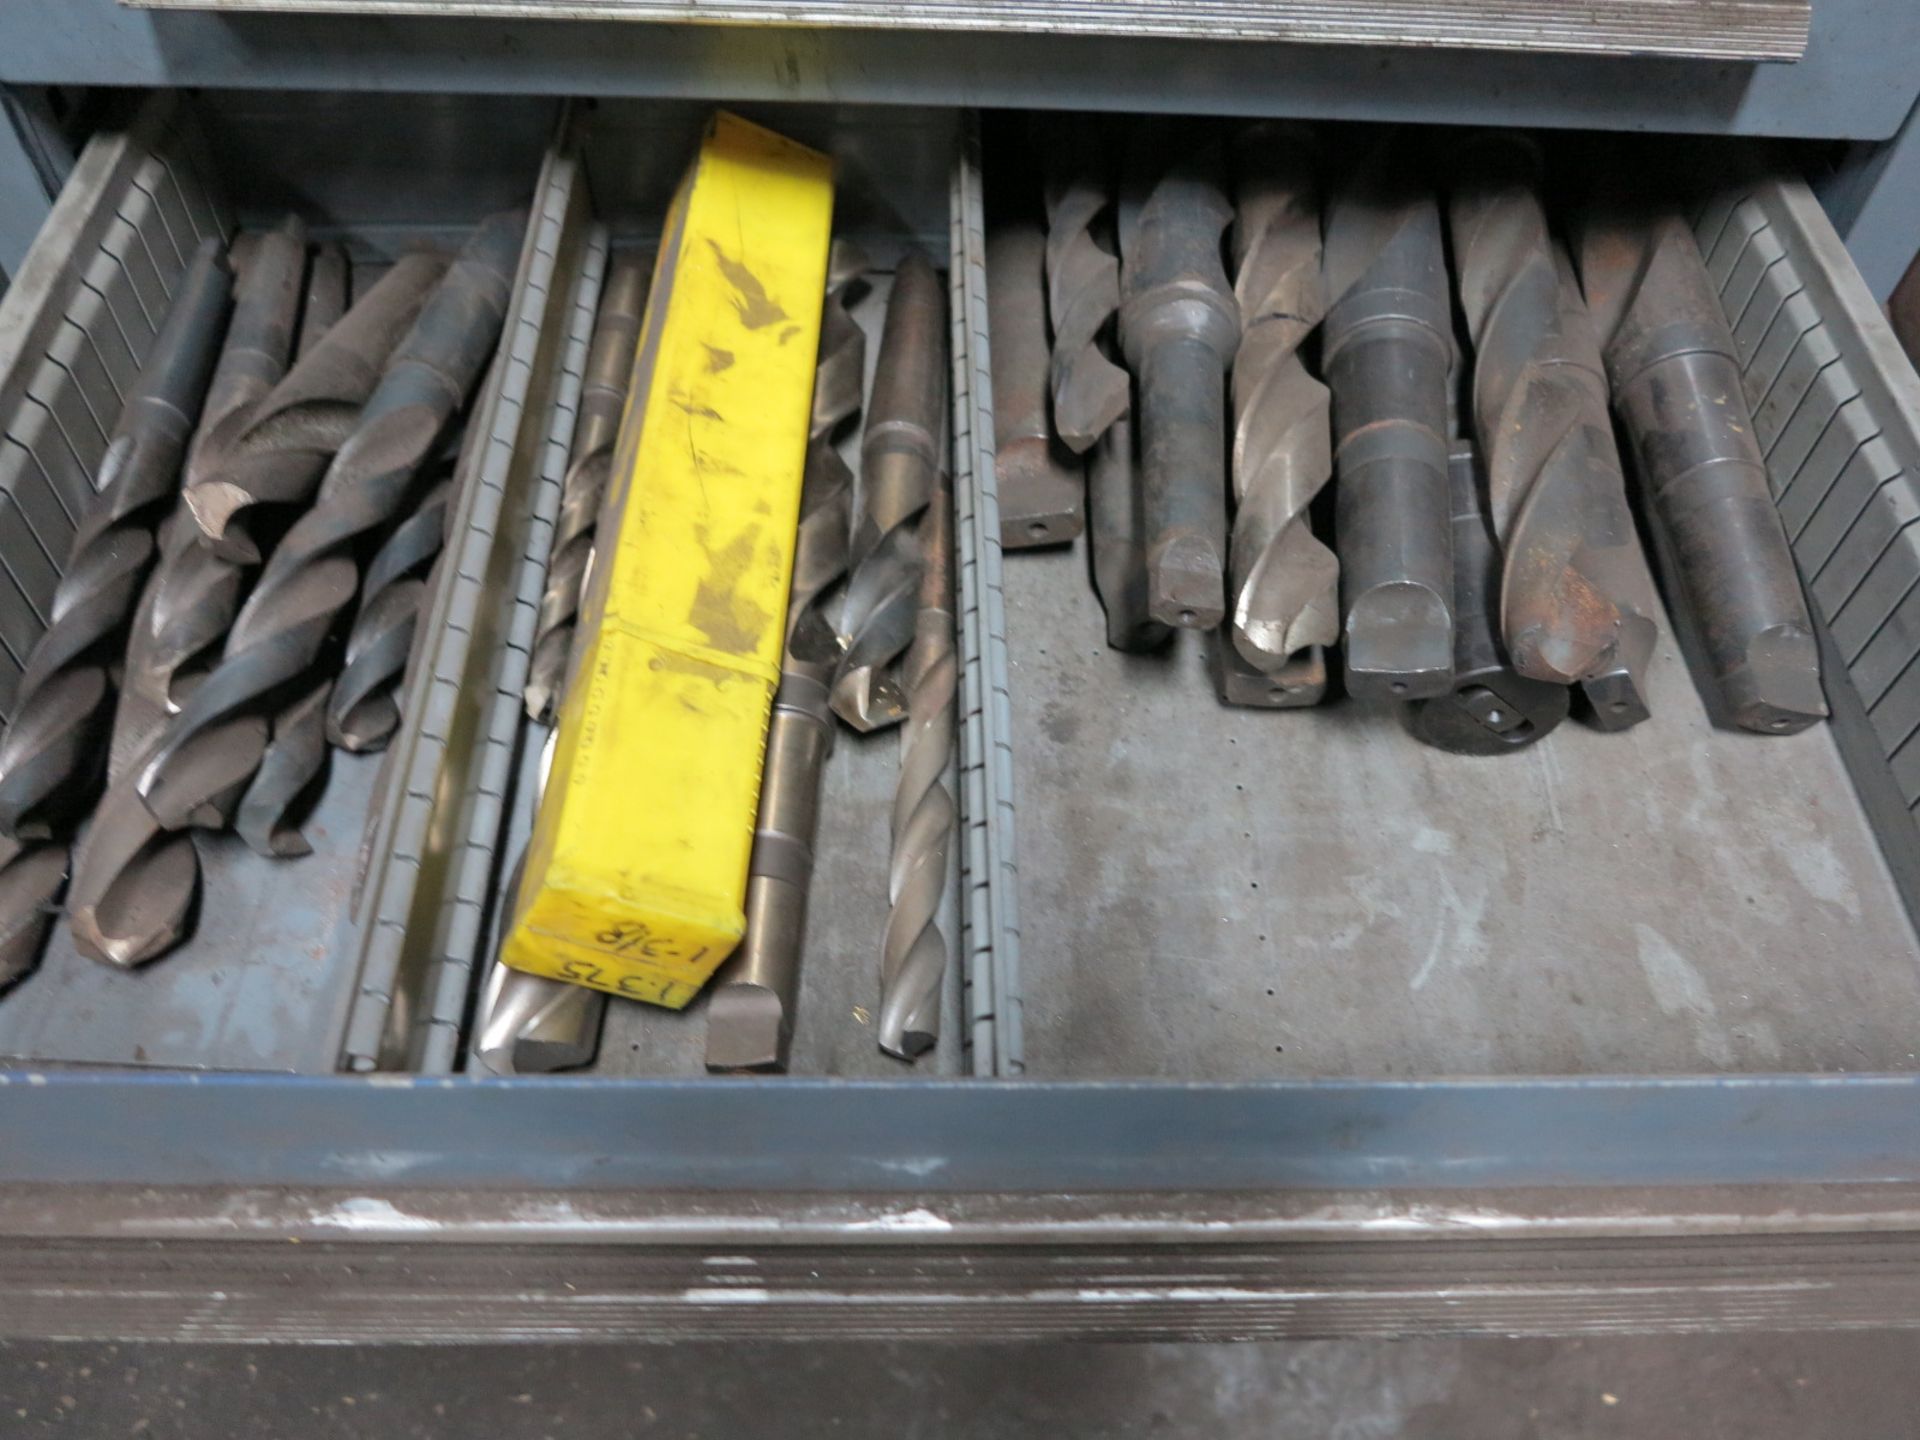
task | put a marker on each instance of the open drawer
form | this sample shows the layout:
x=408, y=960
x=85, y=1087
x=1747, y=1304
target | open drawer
x=1203, y=1067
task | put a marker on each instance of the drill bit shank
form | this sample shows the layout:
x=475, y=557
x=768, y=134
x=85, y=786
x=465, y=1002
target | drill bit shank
x=1386, y=355
x=1491, y=710
x=750, y=1015
x=314, y=573
x=1676, y=383
x=602, y=400
x=50, y=755
x=1117, y=533
x=1179, y=326
x=1285, y=583
x=901, y=452
x=1040, y=490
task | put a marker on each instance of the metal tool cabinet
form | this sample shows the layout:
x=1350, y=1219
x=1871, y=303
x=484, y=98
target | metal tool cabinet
x=1710, y=1124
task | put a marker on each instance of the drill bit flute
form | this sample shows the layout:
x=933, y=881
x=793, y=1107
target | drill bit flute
x=1284, y=600
x=914, y=952
x=900, y=455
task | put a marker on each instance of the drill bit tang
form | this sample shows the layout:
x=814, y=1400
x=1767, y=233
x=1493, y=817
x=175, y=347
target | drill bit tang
x=1676, y=383
x=1387, y=355
x=1041, y=493
x=1179, y=326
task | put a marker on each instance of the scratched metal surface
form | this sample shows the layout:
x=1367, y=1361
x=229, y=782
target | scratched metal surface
x=262, y=985
x=1212, y=894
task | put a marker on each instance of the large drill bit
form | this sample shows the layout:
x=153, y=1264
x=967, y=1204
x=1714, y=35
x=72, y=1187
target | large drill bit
x=291, y=436
x=913, y=959
x=603, y=398
x=1179, y=326
x=50, y=756
x=1554, y=486
x=1041, y=492
x=1387, y=354
x=313, y=574
x=1491, y=710
x=1284, y=604
x=1090, y=391
x=32, y=875
x=750, y=1014
x=1676, y=383
x=901, y=453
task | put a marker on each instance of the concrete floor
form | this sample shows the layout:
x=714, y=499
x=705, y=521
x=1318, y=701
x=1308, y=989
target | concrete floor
x=1685, y=1387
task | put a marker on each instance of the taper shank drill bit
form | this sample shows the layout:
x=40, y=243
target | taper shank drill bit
x=1554, y=489
x=901, y=453
x=750, y=1014
x=313, y=574
x=1041, y=491
x=278, y=457
x=1491, y=710
x=1677, y=387
x=32, y=875
x=1284, y=602
x=50, y=756
x=1090, y=391
x=1387, y=354
x=603, y=397
x=914, y=952
x=1179, y=326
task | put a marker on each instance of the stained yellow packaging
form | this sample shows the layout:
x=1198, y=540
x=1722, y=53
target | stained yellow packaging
x=637, y=870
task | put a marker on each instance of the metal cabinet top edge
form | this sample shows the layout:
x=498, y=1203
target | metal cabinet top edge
x=1707, y=29
x=1852, y=81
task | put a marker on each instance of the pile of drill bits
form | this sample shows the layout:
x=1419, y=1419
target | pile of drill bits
x=870, y=643
x=246, y=585
x=1258, y=337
